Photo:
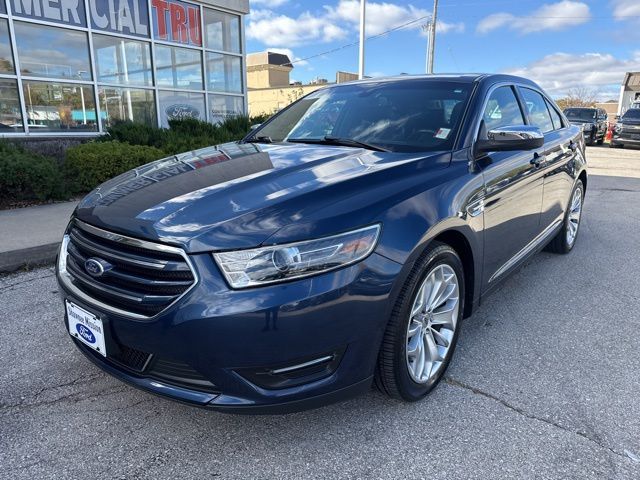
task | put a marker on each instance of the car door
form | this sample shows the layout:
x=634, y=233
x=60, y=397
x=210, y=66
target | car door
x=560, y=151
x=513, y=189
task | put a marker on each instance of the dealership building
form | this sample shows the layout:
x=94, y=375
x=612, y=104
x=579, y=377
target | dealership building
x=73, y=67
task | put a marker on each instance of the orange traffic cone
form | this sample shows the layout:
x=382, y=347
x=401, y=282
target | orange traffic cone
x=609, y=135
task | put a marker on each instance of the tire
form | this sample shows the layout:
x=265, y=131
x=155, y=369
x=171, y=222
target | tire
x=564, y=241
x=397, y=372
x=592, y=139
x=601, y=141
x=616, y=145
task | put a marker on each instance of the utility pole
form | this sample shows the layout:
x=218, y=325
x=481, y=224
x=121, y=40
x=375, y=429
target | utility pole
x=432, y=37
x=426, y=28
x=363, y=6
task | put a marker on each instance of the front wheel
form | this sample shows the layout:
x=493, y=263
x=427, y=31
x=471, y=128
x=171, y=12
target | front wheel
x=566, y=237
x=423, y=329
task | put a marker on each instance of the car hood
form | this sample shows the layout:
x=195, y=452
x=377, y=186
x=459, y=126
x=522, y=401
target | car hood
x=629, y=121
x=580, y=122
x=237, y=195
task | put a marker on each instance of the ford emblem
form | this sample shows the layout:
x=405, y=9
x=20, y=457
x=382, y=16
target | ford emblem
x=85, y=333
x=96, y=267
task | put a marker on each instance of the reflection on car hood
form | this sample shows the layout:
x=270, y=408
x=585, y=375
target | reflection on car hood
x=237, y=195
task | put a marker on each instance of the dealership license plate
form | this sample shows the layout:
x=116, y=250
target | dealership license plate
x=86, y=327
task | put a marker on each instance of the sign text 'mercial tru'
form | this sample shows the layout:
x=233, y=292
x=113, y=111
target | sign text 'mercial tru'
x=129, y=17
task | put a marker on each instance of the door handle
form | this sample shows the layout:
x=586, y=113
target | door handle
x=537, y=159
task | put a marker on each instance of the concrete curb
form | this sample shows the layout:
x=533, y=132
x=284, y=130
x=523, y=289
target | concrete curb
x=28, y=257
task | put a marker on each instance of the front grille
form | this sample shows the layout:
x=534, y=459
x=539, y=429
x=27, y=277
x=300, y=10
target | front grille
x=131, y=358
x=143, y=280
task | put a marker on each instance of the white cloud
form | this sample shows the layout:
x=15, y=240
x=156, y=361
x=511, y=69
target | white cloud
x=335, y=22
x=625, y=8
x=559, y=72
x=283, y=30
x=551, y=16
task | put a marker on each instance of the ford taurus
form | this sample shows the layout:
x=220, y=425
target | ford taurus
x=340, y=243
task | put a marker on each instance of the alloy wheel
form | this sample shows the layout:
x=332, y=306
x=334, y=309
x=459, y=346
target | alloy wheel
x=575, y=211
x=432, y=325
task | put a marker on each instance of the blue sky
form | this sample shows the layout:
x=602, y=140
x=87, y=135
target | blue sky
x=563, y=45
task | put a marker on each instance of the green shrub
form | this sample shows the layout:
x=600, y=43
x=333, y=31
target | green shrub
x=182, y=135
x=26, y=176
x=90, y=164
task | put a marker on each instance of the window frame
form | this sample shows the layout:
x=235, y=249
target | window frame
x=546, y=102
x=90, y=31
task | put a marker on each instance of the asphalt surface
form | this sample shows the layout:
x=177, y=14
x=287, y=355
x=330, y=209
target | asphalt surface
x=545, y=383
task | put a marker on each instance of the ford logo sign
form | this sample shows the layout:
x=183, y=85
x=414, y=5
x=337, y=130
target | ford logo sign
x=181, y=111
x=96, y=267
x=85, y=333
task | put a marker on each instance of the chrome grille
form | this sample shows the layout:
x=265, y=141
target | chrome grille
x=142, y=280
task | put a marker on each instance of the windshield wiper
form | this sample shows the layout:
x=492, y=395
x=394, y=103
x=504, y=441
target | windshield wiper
x=260, y=139
x=347, y=142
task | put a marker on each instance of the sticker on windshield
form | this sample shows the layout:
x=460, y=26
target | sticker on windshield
x=443, y=133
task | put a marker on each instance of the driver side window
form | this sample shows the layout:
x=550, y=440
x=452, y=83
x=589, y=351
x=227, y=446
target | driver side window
x=502, y=109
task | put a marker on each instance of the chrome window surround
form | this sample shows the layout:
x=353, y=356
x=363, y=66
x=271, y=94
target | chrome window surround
x=66, y=278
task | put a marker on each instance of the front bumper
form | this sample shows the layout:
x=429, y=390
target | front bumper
x=237, y=340
x=625, y=139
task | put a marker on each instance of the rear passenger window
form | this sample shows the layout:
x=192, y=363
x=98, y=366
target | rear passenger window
x=502, y=109
x=537, y=109
x=555, y=117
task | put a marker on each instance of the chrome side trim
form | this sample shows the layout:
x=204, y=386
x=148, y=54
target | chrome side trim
x=303, y=365
x=66, y=278
x=541, y=238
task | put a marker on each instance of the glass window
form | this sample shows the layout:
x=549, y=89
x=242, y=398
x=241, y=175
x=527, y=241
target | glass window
x=222, y=31
x=586, y=114
x=136, y=105
x=59, y=107
x=224, y=73
x=3, y=8
x=222, y=107
x=407, y=116
x=10, y=115
x=502, y=109
x=6, y=58
x=120, y=60
x=537, y=108
x=177, y=105
x=52, y=52
x=555, y=117
x=178, y=67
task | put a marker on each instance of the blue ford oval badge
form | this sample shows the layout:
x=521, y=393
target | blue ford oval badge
x=96, y=267
x=85, y=333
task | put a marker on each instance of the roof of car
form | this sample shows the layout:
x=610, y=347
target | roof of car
x=460, y=77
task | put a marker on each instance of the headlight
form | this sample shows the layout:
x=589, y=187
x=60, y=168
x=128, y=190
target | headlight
x=262, y=266
x=587, y=127
x=618, y=127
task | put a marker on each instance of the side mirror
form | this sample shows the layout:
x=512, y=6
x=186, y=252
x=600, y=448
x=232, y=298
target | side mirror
x=517, y=137
x=254, y=126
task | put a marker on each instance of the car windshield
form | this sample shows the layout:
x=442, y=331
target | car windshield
x=632, y=113
x=410, y=115
x=580, y=113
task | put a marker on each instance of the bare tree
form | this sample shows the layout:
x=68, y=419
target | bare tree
x=579, y=97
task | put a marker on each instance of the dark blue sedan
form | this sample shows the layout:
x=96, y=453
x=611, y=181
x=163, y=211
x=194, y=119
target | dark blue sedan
x=341, y=242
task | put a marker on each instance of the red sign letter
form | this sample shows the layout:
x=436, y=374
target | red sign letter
x=194, y=26
x=161, y=8
x=178, y=23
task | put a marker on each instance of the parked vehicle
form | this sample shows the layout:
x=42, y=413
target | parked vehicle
x=627, y=130
x=343, y=240
x=592, y=121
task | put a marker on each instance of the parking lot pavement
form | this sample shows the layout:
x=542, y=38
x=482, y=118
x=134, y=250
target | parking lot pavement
x=545, y=383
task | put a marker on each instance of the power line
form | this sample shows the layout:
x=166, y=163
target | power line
x=411, y=22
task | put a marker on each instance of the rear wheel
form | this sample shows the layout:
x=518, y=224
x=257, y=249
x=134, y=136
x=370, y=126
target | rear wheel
x=566, y=237
x=423, y=329
x=601, y=140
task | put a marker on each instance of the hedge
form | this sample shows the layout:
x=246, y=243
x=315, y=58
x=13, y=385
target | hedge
x=25, y=176
x=90, y=164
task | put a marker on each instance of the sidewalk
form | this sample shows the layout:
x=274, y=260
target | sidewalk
x=31, y=236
